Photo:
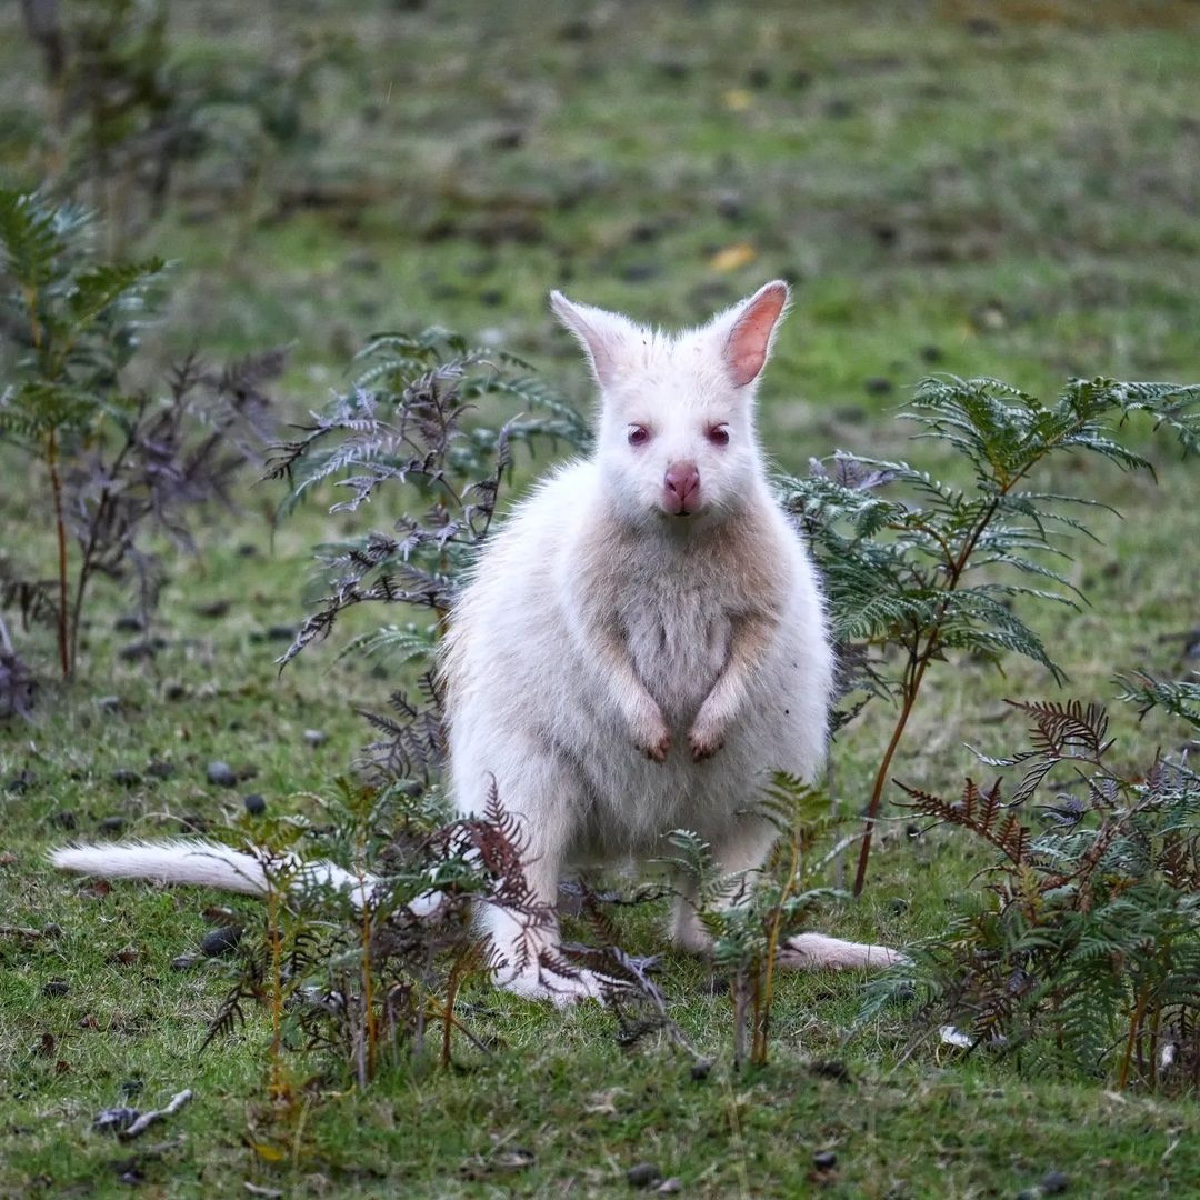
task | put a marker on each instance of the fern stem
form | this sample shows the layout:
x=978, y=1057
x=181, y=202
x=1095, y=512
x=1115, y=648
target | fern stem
x=1135, y=1026
x=881, y=778
x=919, y=660
x=64, y=637
x=758, y=1052
x=276, y=943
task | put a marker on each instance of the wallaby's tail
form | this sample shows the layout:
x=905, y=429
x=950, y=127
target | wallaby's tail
x=197, y=862
x=815, y=951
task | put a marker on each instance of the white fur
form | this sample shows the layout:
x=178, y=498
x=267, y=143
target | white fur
x=200, y=863
x=599, y=630
x=617, y=670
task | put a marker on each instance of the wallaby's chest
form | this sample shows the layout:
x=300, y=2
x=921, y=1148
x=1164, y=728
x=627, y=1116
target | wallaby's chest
x=678, y=635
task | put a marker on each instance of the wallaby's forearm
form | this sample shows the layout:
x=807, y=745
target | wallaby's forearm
x=750, y=640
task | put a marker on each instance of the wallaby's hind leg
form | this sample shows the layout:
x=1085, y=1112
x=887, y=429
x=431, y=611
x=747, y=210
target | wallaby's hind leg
x=746, y=851
x=525, y=939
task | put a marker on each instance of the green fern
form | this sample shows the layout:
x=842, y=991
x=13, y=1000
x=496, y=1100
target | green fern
x=933, y=568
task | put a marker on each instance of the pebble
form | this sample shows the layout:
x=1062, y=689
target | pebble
x=643, y=1175
x=221, y=774
x=254, y=803
x=825, y=1160
x=221, y=941
x=56, y=987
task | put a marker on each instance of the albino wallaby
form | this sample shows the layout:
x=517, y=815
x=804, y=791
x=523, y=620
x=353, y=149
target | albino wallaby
x=640, y=646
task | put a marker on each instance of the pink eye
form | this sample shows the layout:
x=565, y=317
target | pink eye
x=718, y=435
x=639, y=435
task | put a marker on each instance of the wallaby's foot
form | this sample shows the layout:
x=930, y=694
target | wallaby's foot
x=543, y=983
x=816, y=951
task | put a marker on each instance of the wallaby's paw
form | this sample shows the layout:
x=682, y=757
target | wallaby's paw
x=707, y=735
x=704, y=741
x=654, y=739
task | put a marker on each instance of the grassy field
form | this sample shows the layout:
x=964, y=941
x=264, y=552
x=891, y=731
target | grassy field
x=1008, y=189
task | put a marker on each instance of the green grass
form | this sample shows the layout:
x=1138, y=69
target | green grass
x=1017, y=200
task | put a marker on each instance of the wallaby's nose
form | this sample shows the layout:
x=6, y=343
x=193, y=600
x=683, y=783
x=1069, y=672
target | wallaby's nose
x=681, y=488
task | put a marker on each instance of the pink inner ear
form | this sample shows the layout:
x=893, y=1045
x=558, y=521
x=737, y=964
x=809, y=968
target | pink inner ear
x=750, y=339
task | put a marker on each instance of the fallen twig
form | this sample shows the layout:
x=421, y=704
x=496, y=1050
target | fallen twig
x=148, y=1118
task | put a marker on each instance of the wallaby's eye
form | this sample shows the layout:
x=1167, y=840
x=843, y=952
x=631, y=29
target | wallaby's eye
x=639, y=435
x=718, y=435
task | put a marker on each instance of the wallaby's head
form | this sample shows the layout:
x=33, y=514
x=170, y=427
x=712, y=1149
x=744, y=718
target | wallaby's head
x=676, y=437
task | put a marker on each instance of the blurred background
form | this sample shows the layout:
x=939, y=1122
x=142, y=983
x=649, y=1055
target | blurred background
x=1006, y=188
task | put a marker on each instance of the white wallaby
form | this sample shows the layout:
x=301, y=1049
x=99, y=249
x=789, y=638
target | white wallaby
x=640, y=646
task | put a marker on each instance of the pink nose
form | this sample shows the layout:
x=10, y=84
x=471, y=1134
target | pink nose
x=681, y=488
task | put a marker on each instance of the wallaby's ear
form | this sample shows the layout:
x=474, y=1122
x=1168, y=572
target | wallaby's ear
x=751, y=327
x=603, y=335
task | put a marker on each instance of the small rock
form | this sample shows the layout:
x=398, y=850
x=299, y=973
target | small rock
x=184, y=962
x=897, y=906
x=700, y=1070
x=247, y=550
x=577, y=30
x=22, y=782
x=731, y=206
x=280, y=633
x=221, y=774
x=254, y=803
x=125, y=777
x=174, y=691
x=111, y=825
x=160, y=768
x=56, y=987
x=140, y=650
x=64, y=819
x=641, y=272
x=825, y=1160
x=129, y=624
x=213, y=610
x=316, y=737
x=981, y=27
x=221, y=941
x=131, y=1087
x=674, y=69
x=108, y=703
x=1054, y=1183
x=878, y=385
x=643, y=1175
x=931, y=354
x=670, y=1187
